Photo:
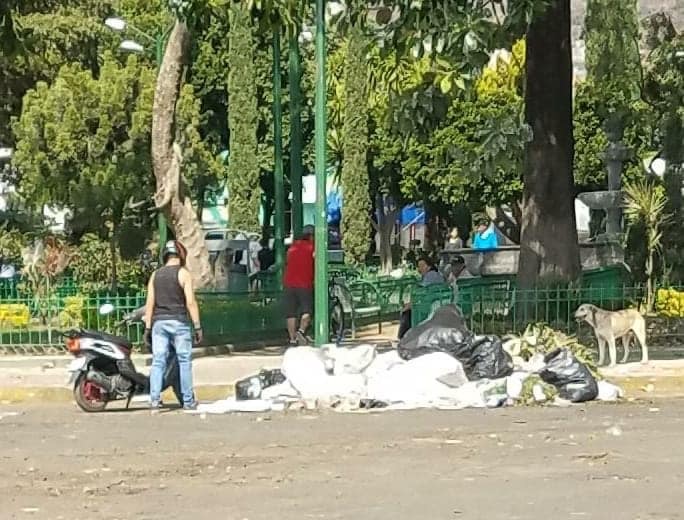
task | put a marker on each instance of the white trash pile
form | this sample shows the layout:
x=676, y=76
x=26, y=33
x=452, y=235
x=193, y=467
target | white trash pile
x=357, y=378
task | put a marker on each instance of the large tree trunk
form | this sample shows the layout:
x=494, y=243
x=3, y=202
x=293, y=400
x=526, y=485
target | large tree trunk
x=548, y=248
x=172, y=197
x=387, y=215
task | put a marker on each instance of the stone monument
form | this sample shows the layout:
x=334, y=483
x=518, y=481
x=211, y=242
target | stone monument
x=610, y=200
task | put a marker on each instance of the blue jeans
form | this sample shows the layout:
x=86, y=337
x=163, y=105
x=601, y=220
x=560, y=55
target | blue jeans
x=167, y=333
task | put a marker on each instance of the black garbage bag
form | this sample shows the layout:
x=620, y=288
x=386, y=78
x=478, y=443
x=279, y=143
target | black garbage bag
x=487, y=360
x=446, y=332
x=251, y=387
x=571, y=377
x=370, y=404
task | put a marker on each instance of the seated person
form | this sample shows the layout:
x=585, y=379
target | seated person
x=485, y=237
x=457, y=270
x=454, y=242
x=429, y=276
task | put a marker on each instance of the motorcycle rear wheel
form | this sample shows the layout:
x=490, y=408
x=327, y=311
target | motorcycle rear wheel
x=88, y=396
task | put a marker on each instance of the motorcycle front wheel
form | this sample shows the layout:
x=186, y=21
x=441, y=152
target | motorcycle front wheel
x=88, y=396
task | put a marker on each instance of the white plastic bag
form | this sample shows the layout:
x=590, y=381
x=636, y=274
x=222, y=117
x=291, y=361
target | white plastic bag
x=514, y=384
x=233, y=405
x=415, y=382
x=609, y=392
x=351, y=360
x=382, y=363
x=305, y=369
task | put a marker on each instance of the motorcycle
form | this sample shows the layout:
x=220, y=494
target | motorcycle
x=103, y=370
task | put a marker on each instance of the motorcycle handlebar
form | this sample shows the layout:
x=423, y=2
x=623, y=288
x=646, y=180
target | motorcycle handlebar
x=133, y=316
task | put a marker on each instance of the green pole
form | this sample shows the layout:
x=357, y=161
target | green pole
x=161, y=219
x=278, y=156
x=294, y=79
x=321, y=261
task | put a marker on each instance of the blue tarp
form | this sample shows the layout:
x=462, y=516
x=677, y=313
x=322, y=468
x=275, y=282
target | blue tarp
x=334, y=208
x=412, y=214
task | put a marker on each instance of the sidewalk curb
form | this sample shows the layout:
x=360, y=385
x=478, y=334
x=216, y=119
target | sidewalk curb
x=63, y=394
x=640, y=388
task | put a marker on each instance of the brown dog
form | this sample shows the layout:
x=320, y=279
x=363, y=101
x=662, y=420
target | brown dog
x=610, y=326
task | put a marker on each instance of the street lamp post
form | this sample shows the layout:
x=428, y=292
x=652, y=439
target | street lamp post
x=158, y=41
x=279, y=190
x=294, y=78
x=321, y=215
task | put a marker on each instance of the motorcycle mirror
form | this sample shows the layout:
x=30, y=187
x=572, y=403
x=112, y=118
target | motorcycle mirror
x=106, y=308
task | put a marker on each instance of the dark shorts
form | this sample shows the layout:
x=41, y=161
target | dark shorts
x=297, y=302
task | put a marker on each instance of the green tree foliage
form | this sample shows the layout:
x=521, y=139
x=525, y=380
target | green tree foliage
x=40, y=36
x=12, y=242
x=355, y=185
x=96, y=269
x=475, y=154
x=612, y=55
x=243, y=176
x=591, y=140
x=83, y=142
x=202, y=167
x=664, y=90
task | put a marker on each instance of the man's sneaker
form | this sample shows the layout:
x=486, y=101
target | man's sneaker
x=292, y=343
x=190, y=408
x=155, y=408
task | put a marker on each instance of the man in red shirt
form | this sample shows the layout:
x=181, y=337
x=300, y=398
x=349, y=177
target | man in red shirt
x=298, y=286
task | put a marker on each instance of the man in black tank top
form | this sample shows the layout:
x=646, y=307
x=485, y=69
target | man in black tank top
x=170, y=311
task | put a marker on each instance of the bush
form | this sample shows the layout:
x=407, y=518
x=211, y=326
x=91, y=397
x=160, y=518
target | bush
x=670, y=303
x=12, y=242
x=93, y=267
x=14, y=315
x=71, y=316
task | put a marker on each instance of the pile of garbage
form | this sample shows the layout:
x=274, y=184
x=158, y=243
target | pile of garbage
x=438, y=364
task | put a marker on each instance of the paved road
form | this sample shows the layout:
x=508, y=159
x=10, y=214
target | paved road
x=599, y=461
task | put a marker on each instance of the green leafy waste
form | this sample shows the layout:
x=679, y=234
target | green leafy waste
x=539, y=338
x=527, y=397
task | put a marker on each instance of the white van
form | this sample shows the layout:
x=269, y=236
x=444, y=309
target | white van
x=217, y=240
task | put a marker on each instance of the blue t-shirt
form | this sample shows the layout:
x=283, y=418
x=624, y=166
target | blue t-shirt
x=486, y=240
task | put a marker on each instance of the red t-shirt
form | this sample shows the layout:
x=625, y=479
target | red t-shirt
x=299, y=268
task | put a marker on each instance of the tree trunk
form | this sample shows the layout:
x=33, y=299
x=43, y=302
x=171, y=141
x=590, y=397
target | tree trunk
x=384, y=228
x=112, y=252
x=649, y=281
x=549, y=249
x=509, y=227
x=172, y=196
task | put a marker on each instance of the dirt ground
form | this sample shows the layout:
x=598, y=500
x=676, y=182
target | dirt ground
x=597, y=461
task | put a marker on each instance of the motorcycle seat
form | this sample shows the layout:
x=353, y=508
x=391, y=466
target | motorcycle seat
x=103, y=336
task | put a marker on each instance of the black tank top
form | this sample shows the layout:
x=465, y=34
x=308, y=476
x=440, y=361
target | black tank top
x=169, y=297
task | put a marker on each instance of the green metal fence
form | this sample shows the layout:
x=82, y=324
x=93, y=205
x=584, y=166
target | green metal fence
x=501, y=310
x=241, y=317
x=33, y=325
